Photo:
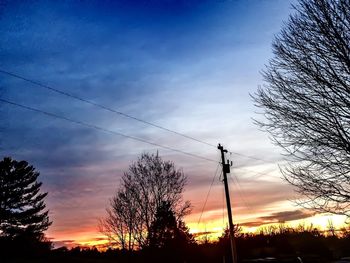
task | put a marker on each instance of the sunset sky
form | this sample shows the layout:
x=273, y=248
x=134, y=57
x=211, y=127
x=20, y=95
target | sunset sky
x=189, y=66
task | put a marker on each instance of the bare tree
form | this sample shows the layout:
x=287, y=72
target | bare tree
x=120, y=224
x=147, y=184
x=306, y=102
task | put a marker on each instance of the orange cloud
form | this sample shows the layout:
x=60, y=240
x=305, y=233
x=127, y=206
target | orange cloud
x=278, y=217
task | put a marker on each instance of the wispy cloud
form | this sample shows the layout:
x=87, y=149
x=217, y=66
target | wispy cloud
x=279, y=217
x=204, y=233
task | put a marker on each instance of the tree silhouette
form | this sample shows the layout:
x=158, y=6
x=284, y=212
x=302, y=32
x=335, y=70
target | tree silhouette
x=148, y=183
x=166, y=231
x=21, y=203
x=120, y=225
x=168, y=236
x=306, y=102
x=163, y=228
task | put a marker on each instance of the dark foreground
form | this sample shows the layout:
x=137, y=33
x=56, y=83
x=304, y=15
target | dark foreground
x=200, y=258
x=284, y=245
x=203, y=253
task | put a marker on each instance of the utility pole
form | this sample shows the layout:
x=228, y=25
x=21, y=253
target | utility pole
x=225, y=171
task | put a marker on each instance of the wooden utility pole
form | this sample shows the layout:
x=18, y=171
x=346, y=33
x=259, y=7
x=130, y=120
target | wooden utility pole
x=225, y=171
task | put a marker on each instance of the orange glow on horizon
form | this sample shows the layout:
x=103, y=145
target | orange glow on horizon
x=210, y=229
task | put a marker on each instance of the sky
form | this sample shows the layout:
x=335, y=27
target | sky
x=189, y=66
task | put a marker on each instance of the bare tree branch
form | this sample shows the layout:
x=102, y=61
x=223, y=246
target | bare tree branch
x=147, y=184
x=306, y=102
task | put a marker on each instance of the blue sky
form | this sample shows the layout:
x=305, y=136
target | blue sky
x=186, y=65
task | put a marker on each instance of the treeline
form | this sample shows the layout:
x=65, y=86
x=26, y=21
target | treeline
x=286, y=244
x=272, y=244
x=144, y=223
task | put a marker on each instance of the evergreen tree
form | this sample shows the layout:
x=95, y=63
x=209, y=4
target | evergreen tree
x=168, y=236
x=163, y=228
x=22, y=207
x=166, y=231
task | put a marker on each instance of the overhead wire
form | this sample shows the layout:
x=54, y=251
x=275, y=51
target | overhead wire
x=136, y=119
x=54, y=115
x=206, y=198
x=240, y=193
x=251, y=157
x=223, y=206
x=256, y=174
x=67, y=94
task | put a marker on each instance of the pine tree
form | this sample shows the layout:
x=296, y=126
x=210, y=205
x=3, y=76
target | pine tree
x=164, y=227
x=166, y=231
x=22, y=207
x=168, y=236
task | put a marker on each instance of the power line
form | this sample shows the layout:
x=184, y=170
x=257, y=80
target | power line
x=67, y=94
x=54, y=115
x=251, y=157
x=240, y=192
x=102, y=106
x=256, y=174
x=223, y=206
x=206, y=199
